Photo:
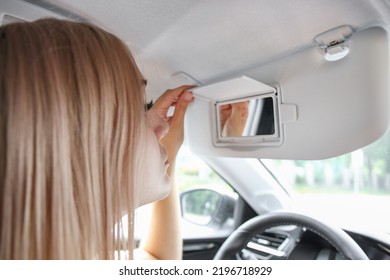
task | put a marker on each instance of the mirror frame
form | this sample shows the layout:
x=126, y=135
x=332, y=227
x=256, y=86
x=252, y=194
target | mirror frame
x=274, y=139
x=248, y=139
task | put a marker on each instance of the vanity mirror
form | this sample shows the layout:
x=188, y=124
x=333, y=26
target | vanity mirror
x=244, y=112
x=247, y=118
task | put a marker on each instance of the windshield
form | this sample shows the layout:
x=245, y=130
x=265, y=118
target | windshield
x=352, y=190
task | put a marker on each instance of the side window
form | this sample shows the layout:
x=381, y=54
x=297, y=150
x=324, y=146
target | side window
x=193, y=172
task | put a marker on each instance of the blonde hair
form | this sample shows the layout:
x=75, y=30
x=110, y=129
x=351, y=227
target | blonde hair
x=71, y=116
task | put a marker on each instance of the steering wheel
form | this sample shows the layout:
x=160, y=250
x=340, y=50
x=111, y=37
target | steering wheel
x=334, y=235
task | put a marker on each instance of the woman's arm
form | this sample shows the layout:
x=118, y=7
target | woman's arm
x=164, y=239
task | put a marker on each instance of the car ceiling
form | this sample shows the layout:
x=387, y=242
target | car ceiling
x=212, y=39
x=273, y=41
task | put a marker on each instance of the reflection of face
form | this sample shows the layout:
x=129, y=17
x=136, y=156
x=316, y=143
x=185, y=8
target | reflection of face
x=154, y=184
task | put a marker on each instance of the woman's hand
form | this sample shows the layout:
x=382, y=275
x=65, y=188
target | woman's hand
x=180, y=98
x=164, y=239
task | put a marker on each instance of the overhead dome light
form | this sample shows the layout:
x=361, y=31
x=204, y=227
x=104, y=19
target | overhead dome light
x=337, y=52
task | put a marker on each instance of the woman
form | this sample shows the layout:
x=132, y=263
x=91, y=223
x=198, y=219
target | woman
x=78, y=149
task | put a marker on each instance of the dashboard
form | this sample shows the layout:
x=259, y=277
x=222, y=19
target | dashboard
x=298, y=243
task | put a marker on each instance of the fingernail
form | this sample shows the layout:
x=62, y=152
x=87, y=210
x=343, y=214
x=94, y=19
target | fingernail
x=188, y=96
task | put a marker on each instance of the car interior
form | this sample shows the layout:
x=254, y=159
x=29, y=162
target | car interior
x=287, y=150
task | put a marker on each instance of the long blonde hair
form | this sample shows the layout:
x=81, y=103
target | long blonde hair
x=71, y=115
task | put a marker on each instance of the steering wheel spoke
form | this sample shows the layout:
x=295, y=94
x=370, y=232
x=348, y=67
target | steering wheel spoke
x=242, y=237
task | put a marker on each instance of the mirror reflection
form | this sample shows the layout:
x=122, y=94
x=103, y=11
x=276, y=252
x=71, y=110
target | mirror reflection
x=245, y=118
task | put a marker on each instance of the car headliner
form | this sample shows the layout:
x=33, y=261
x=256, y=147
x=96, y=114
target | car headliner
x=210, y=41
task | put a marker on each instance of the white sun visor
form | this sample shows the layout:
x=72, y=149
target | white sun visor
x=302, y=106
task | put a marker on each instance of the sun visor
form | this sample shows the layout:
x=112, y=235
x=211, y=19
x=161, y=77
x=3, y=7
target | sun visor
x=321, y=102
x=240, y=87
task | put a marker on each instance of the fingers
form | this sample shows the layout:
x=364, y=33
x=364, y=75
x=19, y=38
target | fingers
x=241, y=109
x=172, y=94
x=170, y=97
x=181, y=107
x=174, y=138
